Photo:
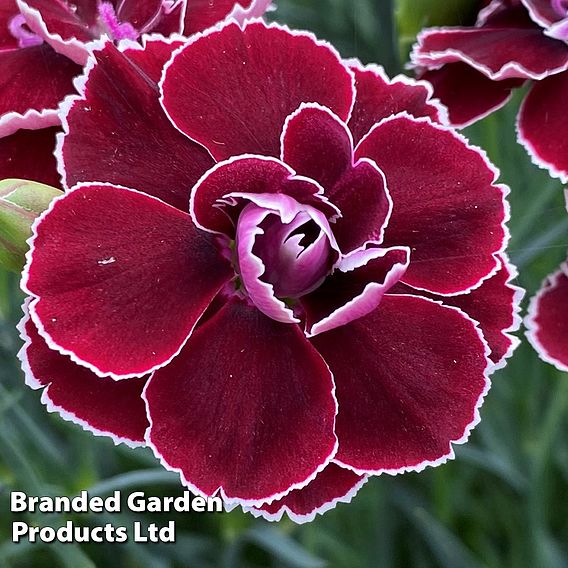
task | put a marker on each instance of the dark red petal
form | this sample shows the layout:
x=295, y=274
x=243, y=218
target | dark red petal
x=121, y=279
x=468, y=94
x=446, y=207
x=8, y=9
x=543, y=124
x=28, y=154
x=495, y=305
x=140, y=13
x=365, y=204
x=232, y=89
x=499, y=52
x=317, y=144
x=202, y=15
x=33, y=82
x=247, y=407
x=249, y=175
x=101, y=405
x=542, y=12
x=63, y=25
x=116, y=130
x=355, y=288
x=379, y=97
x=410, y=378
x=170, y=22
x=152, y=54
x=547, y=322
x=332, y=486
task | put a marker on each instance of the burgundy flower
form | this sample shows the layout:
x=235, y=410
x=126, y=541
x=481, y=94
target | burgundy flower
x=474, y=70
x=303, y=260
x=44, y=45
x=547, y=321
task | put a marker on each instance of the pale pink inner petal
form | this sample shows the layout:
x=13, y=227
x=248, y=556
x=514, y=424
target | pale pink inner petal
x=19, y=29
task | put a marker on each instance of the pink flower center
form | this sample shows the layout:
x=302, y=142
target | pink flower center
x=110, y=25
x=295, y=253
x=19, y=29
x=560, y=7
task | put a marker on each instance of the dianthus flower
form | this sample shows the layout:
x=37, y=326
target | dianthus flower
x=276, y=268
x=547, y=321
x=44, y=45
x=474, y=69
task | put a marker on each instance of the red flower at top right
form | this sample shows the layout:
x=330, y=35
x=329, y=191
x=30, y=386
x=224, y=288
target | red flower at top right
x=474, y=69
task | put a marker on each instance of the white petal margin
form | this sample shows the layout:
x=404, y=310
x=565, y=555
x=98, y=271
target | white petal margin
x=34, y=383
x=273, y=25
x=505, y=190
x=435, y=60
x=518, y=295
x=32, y=119
x=536, y=159
x=401, y=79
x=72, y=48
x=450, y=455
x=532, y=328
x=230, y=501
x=256, y=9
x=309, y=517
x=269, y=159
x=372, y=294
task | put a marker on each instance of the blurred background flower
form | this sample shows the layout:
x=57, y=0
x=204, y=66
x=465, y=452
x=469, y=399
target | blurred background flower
x=501, y=503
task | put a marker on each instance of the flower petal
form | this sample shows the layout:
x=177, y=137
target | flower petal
x=63, y=25
x=232, y=89
x=333, y=485
x=202, y=15
x=542, y=125
x=512, y=48
x=454, y=231
x=468, y=94
x=495, y=305
x=8, y=10
x=379, y=97
x=247, y=408
x=33, y=82
x=410, y=378
x=317, y=144
x=542, y=12
x=120, y=279
x=249, y=174
x=28, y=154
x=139, y=12
x=103, y=406
x=547, y=322
x=116, y=131
x=355, y=289
x=151, y=54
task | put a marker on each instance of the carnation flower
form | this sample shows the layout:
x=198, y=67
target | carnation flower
x=546, y=322
x=44, y=45
x=474, y=69
x=276, y=268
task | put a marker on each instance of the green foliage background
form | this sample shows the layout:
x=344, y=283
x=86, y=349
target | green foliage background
x=502, y=503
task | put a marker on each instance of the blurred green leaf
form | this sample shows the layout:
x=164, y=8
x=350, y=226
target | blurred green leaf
x=20, y=204
x=283, y=547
